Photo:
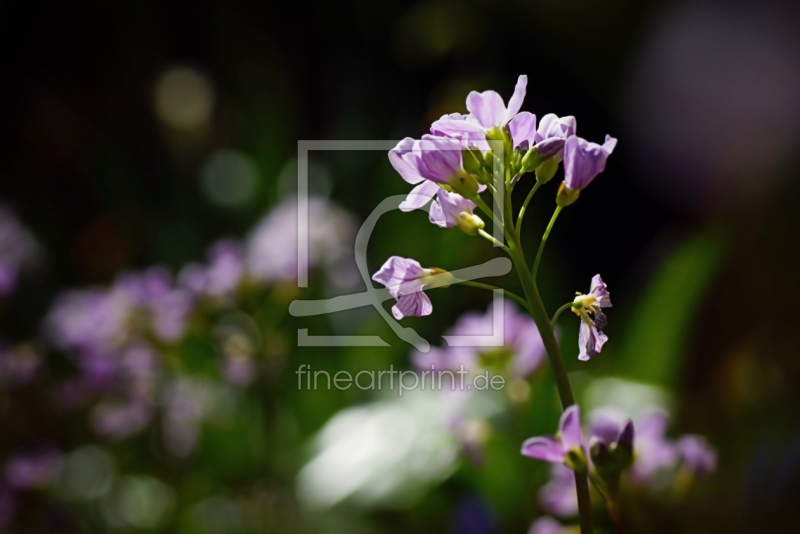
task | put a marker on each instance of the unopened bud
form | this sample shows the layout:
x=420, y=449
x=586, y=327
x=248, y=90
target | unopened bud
x=464, y=184
x=546, y=171
x=469, y=223
x=566, y=196
x=531, y=160
x=471, y=161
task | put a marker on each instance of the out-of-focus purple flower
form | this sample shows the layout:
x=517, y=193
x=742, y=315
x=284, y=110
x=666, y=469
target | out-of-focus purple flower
x=405, y=279
x=428, y=163
x=548, y=138
x=239, y=369
x=606, y=429
x=85, y=319
x=451, y=209
x=8, y=506
x=521, y=354
x=18, y=365
x=271, y=248
x=33, y=470
x=696, y=453
x=221, y=276
x=590, y=336
x=546, y=525
x=19, y=250
x=653, y=452
x=486, y=111
x=120, y=420
x=584, y=160
x=472, y=516
x=564, y=448
x=558, y=496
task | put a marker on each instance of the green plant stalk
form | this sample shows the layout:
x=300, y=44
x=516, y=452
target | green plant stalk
x=539, y=315
x=539, y=252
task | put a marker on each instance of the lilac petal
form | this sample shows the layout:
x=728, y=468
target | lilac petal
x=456, y=127
x=550, y=147
x=605, y=428
x=609, y=144
x=448, y=208
x=523, y=128
x=487, y=107
x=414, y=304
x=397, y=270
x=583, y=161
x=570, y=428
x=653, y=426
x=440, y=158
x=558, y=496
x=405, y=166
x=590, y=341
x=419, y=196
x=545, y=448
x=515, y=103
x=599, y=290
x=697, y=454
x=627, y=435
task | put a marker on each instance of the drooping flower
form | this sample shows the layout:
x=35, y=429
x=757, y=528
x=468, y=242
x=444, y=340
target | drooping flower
x=405, y=279
x=583, y=160
x=566, y=447
x=451, y=209
x=589, y=308
x=428, y=163
x=486, y=111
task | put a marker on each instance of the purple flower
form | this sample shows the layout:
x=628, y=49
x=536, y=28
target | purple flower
x=521, y=354
x=566, y=447
x=221, y=277
x=584, y=160
x=697, y=455
x=546, y=525
x=405, y=279
x=428, y=163
x=451, y=209
x=589, y=308
x=558, y=496
x=120, y=420
x=652, y=451
x=548, y=138
x=486, y=111
x=271, y=247
x=33, y=470
x=19, y=250
x=605, y=429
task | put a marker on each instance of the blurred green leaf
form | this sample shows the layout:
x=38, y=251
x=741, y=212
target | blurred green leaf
x=654, y=347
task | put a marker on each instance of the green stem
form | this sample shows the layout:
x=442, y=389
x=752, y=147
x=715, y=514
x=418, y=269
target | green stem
x=491, y=238
x=543, y=243
x=519, y=300
x=558, y=313
x=488, y=211
x=539, y=315
x=524, y=207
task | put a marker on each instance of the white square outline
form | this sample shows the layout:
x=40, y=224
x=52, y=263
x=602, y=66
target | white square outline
x=304, y=146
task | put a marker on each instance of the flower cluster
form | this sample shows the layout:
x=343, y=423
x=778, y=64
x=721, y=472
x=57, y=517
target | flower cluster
x=615, y=450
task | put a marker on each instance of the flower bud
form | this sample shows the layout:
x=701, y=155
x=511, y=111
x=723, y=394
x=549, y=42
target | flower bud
x=472, y=161
x=566, y=196
x=464, y=184
x=546, y=171
x=531, y=160
x=469, y=223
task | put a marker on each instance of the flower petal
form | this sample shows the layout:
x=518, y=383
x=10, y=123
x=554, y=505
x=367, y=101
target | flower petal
x=599, y=290
x=397, y=270
x=515, y=102
x=419, y=196
x=404, y=161
x=488, y=108
x=570, y=428
x=455, y=127
x=414, y=304
x=523, y=128
x=590, y=340
x=543, y=448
